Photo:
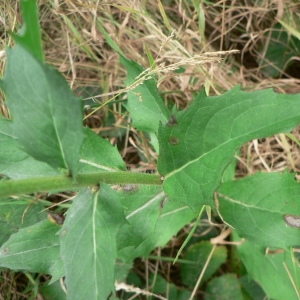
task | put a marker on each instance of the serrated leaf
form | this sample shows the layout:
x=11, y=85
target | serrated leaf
x=277, y=273
x=29, y=35
x=35, y=249
x=47, y=117
x=16, y=214
x=143, y=208
x=172, y=218
x=14, y=162
x=144, y=102
x=225, y=287
x=97, y=154
x=255, y=206
x=88, y=243
x=196, y=257
x=200, y=142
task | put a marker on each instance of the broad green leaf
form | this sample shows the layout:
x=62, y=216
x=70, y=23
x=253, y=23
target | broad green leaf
x=142, y=208
x=14, y=162
x=144, y=102
x=251, y=289
x=278, y=273
x=255, y=206
x=97, y=154
x=198, y=143
x=88, y=243
x=280, y=52
x=225, y=287
x=16, y=214
x=47, y=117
x=167, y=289
x=122, y=269
x=30, y=36
x=196, y=257
x=172, y=218
x=35, y=249
x=52, y=291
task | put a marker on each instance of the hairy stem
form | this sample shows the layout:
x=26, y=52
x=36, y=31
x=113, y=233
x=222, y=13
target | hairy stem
x=62, y=182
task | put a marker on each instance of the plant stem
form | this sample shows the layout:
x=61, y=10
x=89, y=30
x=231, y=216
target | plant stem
x=62, y=182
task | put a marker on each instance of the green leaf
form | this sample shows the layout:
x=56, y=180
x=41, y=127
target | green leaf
x=196, y=257
x=255, y=206
x=251, y=289
x=225, y=287
x=198, y=143
x=109, y=40
x=281, y=50
x=122, y=269
x=277, y=273
x=88, y=243
x=47, y=117
x=14, y=162
x=167, y=289
x=34, y=248
x=30, y=36
x=97, y=154
x=172, y=218
x=52, y=291
x=16, y=214
x=143, y=206
x=144, y=102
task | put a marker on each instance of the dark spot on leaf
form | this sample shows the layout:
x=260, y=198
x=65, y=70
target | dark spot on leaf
x=173, y=140
x=172, y=121
x=5, y=251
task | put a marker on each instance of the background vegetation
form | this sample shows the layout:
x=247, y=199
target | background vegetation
x=171, y=32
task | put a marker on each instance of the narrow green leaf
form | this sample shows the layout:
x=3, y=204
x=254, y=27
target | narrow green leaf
x=255, y=206
x=151, y=60
x=35, y=249
x=197, y=144
x=14, y=162
x=190, y=235
x=30, y=36
x=164, y=16
x=109, y=40
x=196, y=255
x=280, y=52
x=97, y=155
x=16, y=214
x=144, y=102
x=88, y=243
x=143, y=206
x=290, y=29
x=47, y=117
x=277, y=273
x=225, y=287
